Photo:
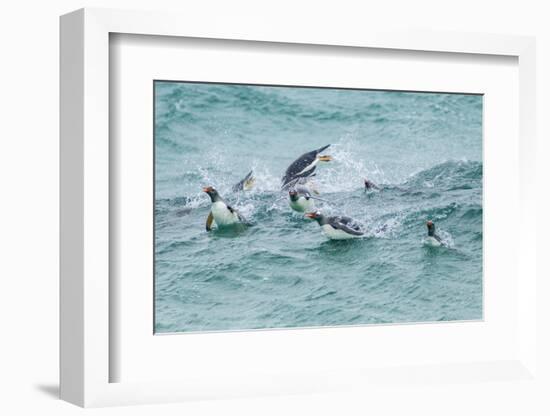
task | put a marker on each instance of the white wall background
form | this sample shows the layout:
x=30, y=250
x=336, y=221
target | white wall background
x=29, y=205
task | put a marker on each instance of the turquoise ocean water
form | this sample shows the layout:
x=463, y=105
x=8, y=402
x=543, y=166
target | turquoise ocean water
x=424, y=149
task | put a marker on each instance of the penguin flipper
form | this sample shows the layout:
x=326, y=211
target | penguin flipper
x=348, y=225
x=440, y=240
x=349, y=229
x=234, y=211
x=209, y=221
x=239, y=215
x=292, y=179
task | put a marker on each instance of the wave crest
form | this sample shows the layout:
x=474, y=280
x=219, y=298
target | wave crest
x=449, y=175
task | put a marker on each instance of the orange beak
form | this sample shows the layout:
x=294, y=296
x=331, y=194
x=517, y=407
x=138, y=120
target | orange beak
x=206, y=189
x=325, y=158
x=310, y=215
x=429, y=223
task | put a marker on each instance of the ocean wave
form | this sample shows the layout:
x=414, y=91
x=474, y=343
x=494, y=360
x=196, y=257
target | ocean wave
x=449, y=175
x=191, y=103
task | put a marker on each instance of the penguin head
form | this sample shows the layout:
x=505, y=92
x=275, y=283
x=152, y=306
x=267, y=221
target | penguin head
x=317, y=216
x=431, y=228
x=293, y=195
x=212, y=193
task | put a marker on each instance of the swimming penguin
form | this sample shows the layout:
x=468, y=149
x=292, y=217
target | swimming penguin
x=300, y=199
x=222, y=213
x=370, y=185
x=304, y=167
x=433, y=239
x=337, y=228
x=246, y=183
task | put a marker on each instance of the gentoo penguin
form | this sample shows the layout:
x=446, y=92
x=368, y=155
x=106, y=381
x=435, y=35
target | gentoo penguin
x=300, y=199
x=246, y=183
x=337, y=228
x=221, y=213
x=370, y=185
x=304, y=167
x=433, y=239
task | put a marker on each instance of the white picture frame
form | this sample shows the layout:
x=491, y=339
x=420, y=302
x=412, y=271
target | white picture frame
x=86, y=356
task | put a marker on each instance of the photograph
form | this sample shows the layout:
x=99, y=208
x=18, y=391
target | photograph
x=302, y=206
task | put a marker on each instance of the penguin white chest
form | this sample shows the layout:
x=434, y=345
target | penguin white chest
x=222, y=215
x=308, y=167
x=335, y=234
x=302, y=204
x=431, y=241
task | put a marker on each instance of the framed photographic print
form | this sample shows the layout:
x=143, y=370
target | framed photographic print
x=266, y=213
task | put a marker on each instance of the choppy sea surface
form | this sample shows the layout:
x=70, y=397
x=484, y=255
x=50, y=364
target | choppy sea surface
x=423, y=149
